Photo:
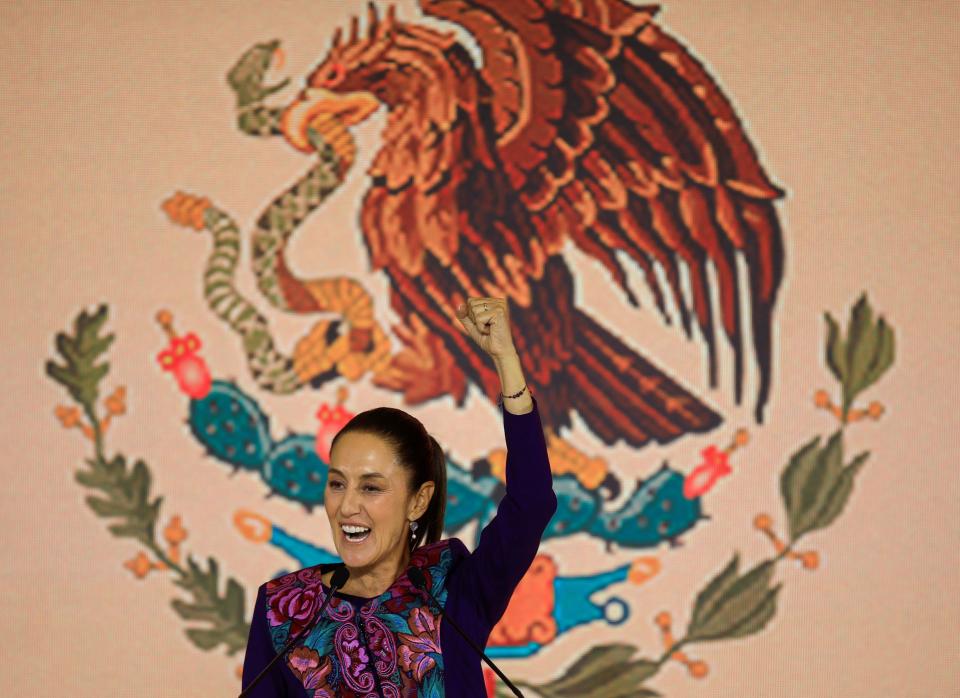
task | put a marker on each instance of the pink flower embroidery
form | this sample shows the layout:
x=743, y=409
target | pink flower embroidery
x=296, y=604
x=281, y=583
x=415, y=648
x=306, y=664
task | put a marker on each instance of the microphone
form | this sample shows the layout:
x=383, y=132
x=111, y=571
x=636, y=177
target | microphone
x=339, y=578
x=416, y=576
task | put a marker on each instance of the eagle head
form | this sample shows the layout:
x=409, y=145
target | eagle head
x=350, y=83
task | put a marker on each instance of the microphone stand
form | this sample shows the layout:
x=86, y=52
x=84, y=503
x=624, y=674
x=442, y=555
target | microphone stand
x=416, y=576
x=339, y=578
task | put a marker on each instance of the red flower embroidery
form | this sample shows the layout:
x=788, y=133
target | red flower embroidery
x=715, y=465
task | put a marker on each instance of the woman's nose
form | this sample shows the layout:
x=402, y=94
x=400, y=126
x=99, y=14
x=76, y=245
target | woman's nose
x=350, y=502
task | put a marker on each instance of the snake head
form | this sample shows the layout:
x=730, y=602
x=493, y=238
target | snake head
x=246, y=76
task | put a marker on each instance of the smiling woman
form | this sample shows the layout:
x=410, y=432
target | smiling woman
x=387, y=487
x=380, y=633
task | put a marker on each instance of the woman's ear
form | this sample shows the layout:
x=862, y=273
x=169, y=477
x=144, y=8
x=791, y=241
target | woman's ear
x=421, y=500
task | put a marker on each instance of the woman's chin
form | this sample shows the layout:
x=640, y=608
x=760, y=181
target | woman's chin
x=356, y=554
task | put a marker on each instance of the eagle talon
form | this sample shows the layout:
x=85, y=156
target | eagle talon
x=361, y=340
x=424, y=369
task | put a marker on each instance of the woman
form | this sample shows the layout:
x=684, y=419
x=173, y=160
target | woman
x=386, y=493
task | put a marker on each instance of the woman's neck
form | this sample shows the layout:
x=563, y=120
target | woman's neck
x=373, y=581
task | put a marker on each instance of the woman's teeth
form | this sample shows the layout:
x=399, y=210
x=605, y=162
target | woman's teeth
x=355, y=534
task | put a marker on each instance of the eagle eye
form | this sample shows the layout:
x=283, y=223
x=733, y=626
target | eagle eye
x=333, y=75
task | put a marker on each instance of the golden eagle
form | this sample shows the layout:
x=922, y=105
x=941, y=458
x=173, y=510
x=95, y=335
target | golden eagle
x=586, y=122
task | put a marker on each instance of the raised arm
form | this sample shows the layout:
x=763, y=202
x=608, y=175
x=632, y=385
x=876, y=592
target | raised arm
x=510, y=541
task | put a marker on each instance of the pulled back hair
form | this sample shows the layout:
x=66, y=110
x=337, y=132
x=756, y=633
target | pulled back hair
x=418, y=452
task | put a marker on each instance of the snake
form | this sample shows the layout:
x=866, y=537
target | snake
x=324, y=352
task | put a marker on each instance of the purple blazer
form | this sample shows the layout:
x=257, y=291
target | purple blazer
x=396, y=645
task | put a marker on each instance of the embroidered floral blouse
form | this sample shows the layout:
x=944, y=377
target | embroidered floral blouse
x=396, y=645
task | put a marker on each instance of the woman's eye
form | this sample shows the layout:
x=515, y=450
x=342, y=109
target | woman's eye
x=337, y=485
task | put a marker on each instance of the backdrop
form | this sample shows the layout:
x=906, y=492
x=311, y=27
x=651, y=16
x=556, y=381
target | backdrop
x=728, y=236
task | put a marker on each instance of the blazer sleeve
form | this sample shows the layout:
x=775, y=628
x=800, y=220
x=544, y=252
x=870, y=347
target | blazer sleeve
x=259, y=653
x=510, y=541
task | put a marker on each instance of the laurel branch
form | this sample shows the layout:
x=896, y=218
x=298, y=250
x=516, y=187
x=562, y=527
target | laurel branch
x=123, y=493
x=815, y=485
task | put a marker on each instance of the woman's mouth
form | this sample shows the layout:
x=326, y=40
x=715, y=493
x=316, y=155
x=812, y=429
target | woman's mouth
x=355, y=534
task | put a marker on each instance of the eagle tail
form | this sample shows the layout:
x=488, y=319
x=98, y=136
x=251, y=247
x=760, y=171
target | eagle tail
x=622, y=395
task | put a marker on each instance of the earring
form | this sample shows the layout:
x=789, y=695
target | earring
x=413, y=527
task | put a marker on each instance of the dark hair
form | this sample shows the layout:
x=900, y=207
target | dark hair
x=418, y=452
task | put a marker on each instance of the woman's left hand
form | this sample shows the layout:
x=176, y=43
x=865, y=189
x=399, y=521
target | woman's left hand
x=487, y=322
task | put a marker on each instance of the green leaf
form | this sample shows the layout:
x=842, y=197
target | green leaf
x=836, y=350
x=835, y=502
x=129, y=530
x=79, y=352
x=625, y=682
x=234, y=599
x=224, y=613
x=107, y=507
x=189, y=611
x=116, y=467
x=861, y=345
x=735, y=605
x=592, y=664
x=708, y=598
x=139, y=482
x=759, y=618
x=792, y=481
x=205, y=639
x=820, y=481
x=883, y=357
x=603, y=672
x=213, y=578
x=93, y=478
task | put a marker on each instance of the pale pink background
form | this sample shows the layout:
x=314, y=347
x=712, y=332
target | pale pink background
x=109, y=107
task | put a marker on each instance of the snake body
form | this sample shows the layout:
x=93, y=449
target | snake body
x=323, y=353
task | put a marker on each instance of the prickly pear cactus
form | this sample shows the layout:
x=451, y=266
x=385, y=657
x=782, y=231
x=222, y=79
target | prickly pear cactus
x=231, y=426
x=294, y=471
x=576, y=507
x=656, y=511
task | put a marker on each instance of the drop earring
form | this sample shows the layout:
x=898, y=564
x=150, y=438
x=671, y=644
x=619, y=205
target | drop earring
x=413, y=529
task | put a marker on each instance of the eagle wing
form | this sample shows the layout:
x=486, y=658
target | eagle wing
x=614, y=136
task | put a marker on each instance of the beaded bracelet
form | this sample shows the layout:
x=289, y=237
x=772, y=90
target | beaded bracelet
x=517, y=394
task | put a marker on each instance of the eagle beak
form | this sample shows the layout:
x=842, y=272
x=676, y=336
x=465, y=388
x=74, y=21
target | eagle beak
x=316, y=107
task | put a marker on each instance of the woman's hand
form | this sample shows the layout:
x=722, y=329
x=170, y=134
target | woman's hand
x=487, y=321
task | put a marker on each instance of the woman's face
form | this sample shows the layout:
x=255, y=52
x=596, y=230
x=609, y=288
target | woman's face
x=368, y=492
